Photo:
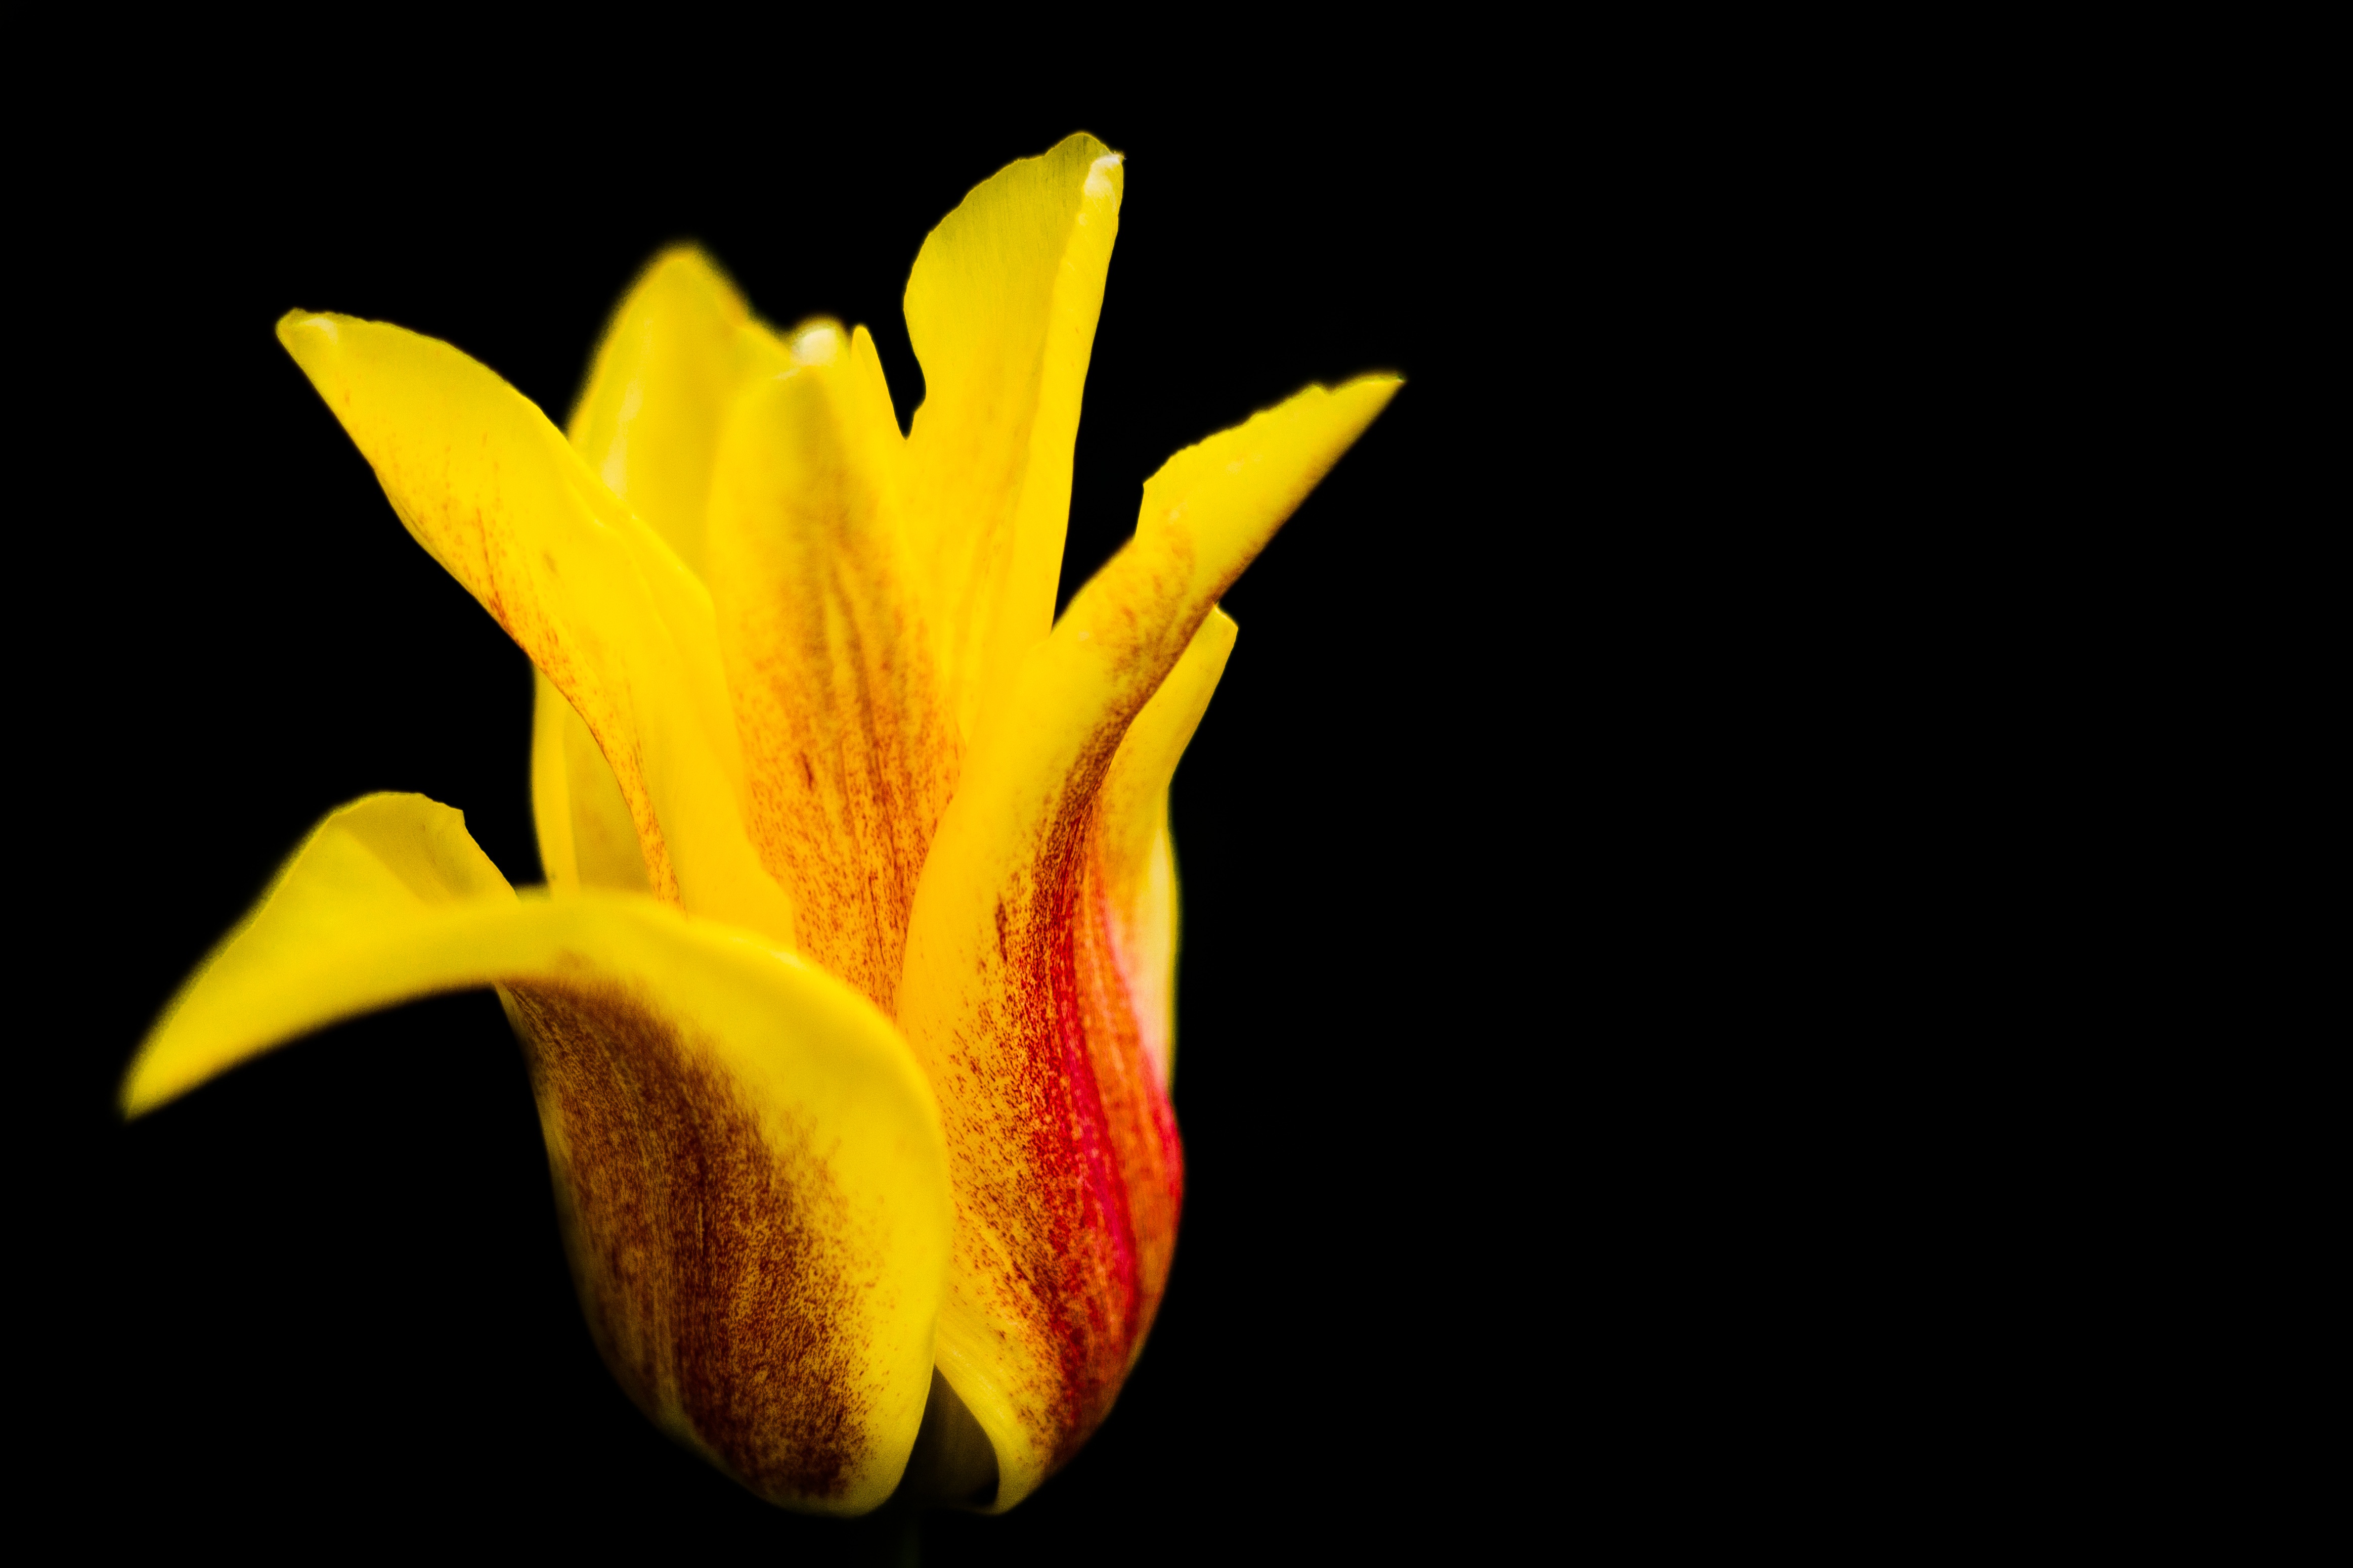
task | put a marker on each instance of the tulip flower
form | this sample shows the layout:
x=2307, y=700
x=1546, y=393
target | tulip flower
x=847, y=1003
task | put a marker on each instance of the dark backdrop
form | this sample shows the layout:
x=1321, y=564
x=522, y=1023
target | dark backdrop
x=322, y=1299
x=1643, y=1018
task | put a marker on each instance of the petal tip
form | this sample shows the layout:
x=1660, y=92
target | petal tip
x=299, y=320
x=310, y=336
x=133, y=1100
x=679, y=253
x=1368, y=395
x=1106, y=177
x=146, y=1085
x=686, y=265
x=815, y=341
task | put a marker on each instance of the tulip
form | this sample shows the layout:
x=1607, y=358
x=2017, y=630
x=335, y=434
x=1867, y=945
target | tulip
x=847, y=1003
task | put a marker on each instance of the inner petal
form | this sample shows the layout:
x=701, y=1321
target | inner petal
x=849, y=754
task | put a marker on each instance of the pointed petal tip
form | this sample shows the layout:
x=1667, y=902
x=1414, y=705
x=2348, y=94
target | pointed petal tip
x=135, y=1099
x=818, y=341
x=146, y=1087
x=298, y=321
x=1106, y=177
x=685, y=260
x=310, y=338
x=1364, y=397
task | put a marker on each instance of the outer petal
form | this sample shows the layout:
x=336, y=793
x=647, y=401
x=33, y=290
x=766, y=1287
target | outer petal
x=679, y=345
x=1057, y=1127
x=746, y=1157
x=849, y=754
x=593, y=596
x=1001, y=307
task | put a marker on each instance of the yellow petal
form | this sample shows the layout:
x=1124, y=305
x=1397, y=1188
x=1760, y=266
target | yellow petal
x=849, y=755
x=585, y=836
x=679, y=345
x=1001, y=307
x=1061, y=1153
x=1133, y=871
x=598, y=601
x=746, y=1157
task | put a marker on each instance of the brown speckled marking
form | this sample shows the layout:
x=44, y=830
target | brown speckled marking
x=700, y=1251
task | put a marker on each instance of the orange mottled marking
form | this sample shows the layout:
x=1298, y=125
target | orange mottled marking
x=850, y=765
x=849, y=753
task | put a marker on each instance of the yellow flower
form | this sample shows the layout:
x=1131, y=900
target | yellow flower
x=846, y=1006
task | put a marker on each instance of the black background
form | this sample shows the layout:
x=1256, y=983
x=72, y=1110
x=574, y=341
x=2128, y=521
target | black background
x=1676, y=876
x=322, y=1300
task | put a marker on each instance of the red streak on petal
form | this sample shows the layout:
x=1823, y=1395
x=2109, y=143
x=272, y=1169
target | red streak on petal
x=1085, y=1208
x=1104, y=1143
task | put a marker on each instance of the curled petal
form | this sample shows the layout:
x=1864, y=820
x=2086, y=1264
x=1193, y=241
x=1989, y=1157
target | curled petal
x=746, y=1157
x=594, y=596
x=1061, y=1156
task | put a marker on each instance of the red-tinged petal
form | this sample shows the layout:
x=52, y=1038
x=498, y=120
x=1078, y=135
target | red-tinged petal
x=1063, y=1154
